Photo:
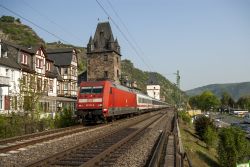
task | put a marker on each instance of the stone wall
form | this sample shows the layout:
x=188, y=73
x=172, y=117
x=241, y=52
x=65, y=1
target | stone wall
x=97, y=65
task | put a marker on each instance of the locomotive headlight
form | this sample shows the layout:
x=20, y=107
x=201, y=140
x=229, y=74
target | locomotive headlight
x=105, y=109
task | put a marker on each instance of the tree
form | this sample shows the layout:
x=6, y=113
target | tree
x=244, y=102
x=201, y=124
x=8, y=19
x=227, y=100
x=30, y=93
x=194, y=102
x=208, y=100
x=233, y=147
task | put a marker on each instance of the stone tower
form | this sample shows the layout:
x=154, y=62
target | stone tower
x=103, y=55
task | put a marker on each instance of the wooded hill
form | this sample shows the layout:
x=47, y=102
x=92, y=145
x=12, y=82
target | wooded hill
x=235, y=90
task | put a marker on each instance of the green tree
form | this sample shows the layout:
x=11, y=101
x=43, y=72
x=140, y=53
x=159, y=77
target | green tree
x=201, y=124
x=194, y=102
x=244, y=102
x=227, y=100
x=30, y=93
x=233, y=147
x=208, y=100
x=8, y=19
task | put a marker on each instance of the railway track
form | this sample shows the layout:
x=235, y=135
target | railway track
x=23, y=141
x=100, y=152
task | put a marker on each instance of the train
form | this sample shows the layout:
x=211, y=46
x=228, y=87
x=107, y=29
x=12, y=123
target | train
x=101, y=101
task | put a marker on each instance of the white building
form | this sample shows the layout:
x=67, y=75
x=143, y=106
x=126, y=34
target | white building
x=153, y=88
x=154, y=91
x=10, y=73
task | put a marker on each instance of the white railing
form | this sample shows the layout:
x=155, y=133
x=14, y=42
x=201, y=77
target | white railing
x=4, y=81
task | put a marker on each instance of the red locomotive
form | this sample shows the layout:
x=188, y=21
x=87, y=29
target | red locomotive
x=101, y=100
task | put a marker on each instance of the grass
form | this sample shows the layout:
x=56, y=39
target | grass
x=196, y=149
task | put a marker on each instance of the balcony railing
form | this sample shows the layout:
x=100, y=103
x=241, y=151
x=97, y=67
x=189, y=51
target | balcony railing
x=4, y=81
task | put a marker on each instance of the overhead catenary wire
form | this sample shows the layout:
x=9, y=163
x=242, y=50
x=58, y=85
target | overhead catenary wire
x=51, y=21
x=38, y=26
x=123, y=34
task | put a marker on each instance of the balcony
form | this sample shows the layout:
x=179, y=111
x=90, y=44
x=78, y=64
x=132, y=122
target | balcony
x=4, y=81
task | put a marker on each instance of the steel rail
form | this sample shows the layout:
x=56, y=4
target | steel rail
x=61, y=155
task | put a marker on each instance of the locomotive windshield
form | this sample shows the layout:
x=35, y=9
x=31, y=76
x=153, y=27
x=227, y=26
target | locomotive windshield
x=91, y=90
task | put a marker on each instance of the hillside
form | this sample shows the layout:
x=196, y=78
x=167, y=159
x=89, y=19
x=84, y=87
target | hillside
x=13, y=30
x=236, y=90
x=168, y=90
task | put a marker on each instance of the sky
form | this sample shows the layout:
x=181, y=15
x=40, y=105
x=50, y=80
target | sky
x=208, y=41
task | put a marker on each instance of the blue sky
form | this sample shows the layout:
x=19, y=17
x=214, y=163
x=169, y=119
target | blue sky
x=208, y=41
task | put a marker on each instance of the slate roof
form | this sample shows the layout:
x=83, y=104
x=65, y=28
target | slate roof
x=61, y=57
x=9, y=62
x=103, y=39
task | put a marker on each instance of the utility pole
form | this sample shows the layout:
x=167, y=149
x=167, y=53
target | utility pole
x=178, y=93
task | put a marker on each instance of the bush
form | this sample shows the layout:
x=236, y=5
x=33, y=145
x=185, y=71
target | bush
x=233, y=147
x=201, y=124
x=64, y=118
x=184, y=116
x=210, y=137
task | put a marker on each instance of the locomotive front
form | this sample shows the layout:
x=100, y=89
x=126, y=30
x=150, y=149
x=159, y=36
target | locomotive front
x=90, y=102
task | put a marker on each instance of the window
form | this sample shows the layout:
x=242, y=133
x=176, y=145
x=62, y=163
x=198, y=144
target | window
x=117, y=73
x=14, y=102
x=65, y=70
x=39, y=84
x=73, y=71
x=51, y=85
x=66, y=86
x=39, y=63
x=7, y=72
x=12, y=75
x=101, y=34
x=105, y=74
x=45, y=85
x=91, y=90
x=24, y=59
x=1, y=102
x=117, y=60
x=25, y=79
x=105, y=57
x=48, y=66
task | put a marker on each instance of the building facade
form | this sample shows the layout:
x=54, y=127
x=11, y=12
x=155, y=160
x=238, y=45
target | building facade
x=66, y=62
x=10, y=73
x=103, y=55
x=31, y=73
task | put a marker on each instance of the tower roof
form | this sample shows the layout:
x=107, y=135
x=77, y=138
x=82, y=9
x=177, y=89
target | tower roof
x=103, y=39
